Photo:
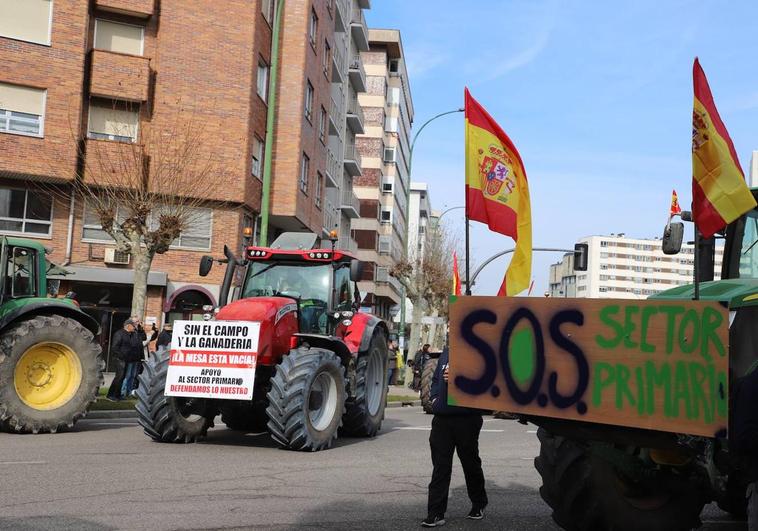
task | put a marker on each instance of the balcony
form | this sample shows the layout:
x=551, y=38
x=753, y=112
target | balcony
x=342, y=15
x=357, y=73
x=352, y=160
x=331, y=217
x=333, y=170
x=349, y=204
x=355, y=116
x=338, y=64
x=358, y=28
x=348, y=244
x=120, y=76
x=383, y=276
x=336, y=117
x=133, y=8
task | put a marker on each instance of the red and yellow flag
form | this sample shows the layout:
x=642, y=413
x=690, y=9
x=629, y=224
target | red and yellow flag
x=456, y=276
x=497, y=191
x=675, y=208
x=719, y=192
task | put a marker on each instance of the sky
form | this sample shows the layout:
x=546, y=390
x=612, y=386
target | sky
x=596, y=96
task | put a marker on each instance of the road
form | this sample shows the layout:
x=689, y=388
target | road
x=105, y=474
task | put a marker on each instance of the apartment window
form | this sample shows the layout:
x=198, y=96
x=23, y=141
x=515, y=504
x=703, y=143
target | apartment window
x=112, y=122
x=326, y=59
x=309, y=101
x=389, y=155
x=394, y=66
x=197, y=233
x=26, y=20
x=267, y=8
x=257, y=166
x=322, y=125
x=390, y=124
x=117, y=37
x=22, y=212
x=387, y=184
x=91, y=227
x=304, y=169
x=22, y=110
x=385, y=244
x=319, y=185
x=313, y=28
x=386, y=215
x=262, y=82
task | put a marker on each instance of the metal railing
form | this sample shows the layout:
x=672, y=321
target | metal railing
x=338, y=55
x=331, y=216
x=353, y=107
x=333, y=167
x=349, y=199
x=357, y=16
x=351, y=153
x=356, y=63
x=336, y=111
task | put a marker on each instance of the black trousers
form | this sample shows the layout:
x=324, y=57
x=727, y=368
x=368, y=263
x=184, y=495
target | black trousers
x=114, y=391
x=451, y=433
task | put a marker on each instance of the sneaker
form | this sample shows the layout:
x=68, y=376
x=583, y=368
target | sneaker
x=133, y=393
x=475, y=514
x=434, y=521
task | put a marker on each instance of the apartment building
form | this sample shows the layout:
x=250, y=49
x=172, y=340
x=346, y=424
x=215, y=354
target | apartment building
x=419, y=220
x=383, y=186
x=625, y=268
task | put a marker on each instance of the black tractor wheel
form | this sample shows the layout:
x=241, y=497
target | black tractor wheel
x=50, y=372
x=426, y=384
x=307, y=399
x=365, y=410
x=588, y=493
x=246, y=417
x=169, y=418
x=734, y=501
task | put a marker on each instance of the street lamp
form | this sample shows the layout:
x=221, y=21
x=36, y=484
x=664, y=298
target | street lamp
x=407, y=206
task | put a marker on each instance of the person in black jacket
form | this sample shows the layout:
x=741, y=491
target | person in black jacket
x=127, y=347
x=164, y=338
x=453, y=428
x=744, y=438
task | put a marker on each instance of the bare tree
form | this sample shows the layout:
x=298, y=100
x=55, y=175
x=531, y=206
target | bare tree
x=146, y=188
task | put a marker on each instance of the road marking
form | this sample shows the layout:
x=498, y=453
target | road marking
x=23, y=462
x=531, y=431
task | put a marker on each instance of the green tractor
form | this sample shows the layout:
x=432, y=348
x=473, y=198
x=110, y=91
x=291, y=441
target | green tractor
x=50, y=364
x=610, y=477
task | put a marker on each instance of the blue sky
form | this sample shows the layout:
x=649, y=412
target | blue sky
x=597, y=98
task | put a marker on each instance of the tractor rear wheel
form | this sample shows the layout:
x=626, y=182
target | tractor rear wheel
x=169, y=418
x=365, y=410
x=426, y=383
x=50, y=371
x=587, y=492
x=307, y=399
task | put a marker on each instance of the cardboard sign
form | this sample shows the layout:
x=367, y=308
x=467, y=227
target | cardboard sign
x=650, y=364
x=213, y=359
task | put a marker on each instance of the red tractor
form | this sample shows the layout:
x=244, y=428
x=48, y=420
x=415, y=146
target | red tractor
x=321, y=364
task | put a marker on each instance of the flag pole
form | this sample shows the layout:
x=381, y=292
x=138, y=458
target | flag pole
x=468, y=286
x=696, y=268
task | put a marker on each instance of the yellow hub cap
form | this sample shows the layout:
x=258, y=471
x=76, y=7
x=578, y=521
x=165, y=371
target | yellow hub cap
x=47, y=376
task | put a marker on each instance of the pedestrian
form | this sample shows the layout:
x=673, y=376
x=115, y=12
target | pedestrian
x=419, y=360
x=164, y=338
x=453, y=428
x=391, y=363
x=127, y=348
x=398, y=365
x=744, y=439
x=153, y=336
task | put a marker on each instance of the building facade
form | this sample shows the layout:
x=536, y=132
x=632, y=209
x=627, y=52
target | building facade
x=625, y=268
x=419, y=217
x=383, y=186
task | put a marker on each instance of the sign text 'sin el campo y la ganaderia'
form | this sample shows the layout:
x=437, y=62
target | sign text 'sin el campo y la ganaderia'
x=658, y=365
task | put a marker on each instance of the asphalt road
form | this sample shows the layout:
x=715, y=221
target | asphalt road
x=107, y=475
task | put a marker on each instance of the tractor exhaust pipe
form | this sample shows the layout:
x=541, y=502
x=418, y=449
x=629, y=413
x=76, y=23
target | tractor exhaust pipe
x=232, y=261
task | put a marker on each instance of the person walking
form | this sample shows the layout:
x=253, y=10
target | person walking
x=421, y=357
x=127, y=348
x=453, y=428
x=391, y=363
x=744, y=437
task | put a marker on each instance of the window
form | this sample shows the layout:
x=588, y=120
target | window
x=309, y=101
x=262, y=82
x=197, y=233
x=304, y=169
x=387, y=184
x=25, y=213
x=115, y=122
x=257, y=166
x=389, y=155
x=91, y=227
x=26, y=20
x=393, y=96
x=267, y=8
x=390, y=124
x=325, y=60
x=394, y=66
x=319, y=185
x=322, y=126
x=22, y=109
x=313, y=28
x=385, y=244
x=386, y=215
x=21, y=271
x=117, y=37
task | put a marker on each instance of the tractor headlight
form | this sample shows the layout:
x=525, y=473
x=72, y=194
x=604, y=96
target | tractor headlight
x=207, y=308
x=207, y=317
x=347, y=314
x=347, y=322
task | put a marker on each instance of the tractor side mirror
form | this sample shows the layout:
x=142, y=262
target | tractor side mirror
x=355, y=270
x=206, y=263
x=673, y=235
x=581, y=252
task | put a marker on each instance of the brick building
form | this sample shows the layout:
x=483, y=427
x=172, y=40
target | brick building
x=83, y=76
x=383, y=186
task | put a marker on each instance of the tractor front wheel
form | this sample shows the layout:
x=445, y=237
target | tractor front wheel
x=365, y=410
x=307, y=399
x=427, y=374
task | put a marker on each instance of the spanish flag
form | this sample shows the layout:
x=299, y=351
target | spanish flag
x=497, y=191
x=719, y=192
x=456, y=276
x=675, y=208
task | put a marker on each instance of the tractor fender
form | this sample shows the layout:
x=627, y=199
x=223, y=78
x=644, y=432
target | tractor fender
x=332, y=343
x=372, y=325
x=48, y=307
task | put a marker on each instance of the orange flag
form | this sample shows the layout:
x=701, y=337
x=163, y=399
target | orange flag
x=719, y=192
x=675, y=208
x=497, y=191
x=456, y=276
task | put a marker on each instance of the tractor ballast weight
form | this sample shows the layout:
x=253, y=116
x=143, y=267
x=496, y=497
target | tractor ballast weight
x=321, y=366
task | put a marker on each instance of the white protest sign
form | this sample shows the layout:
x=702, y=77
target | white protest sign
x=213, y=359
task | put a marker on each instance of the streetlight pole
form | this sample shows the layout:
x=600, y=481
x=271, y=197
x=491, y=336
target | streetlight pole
x=507, y=251
x=407, y=210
